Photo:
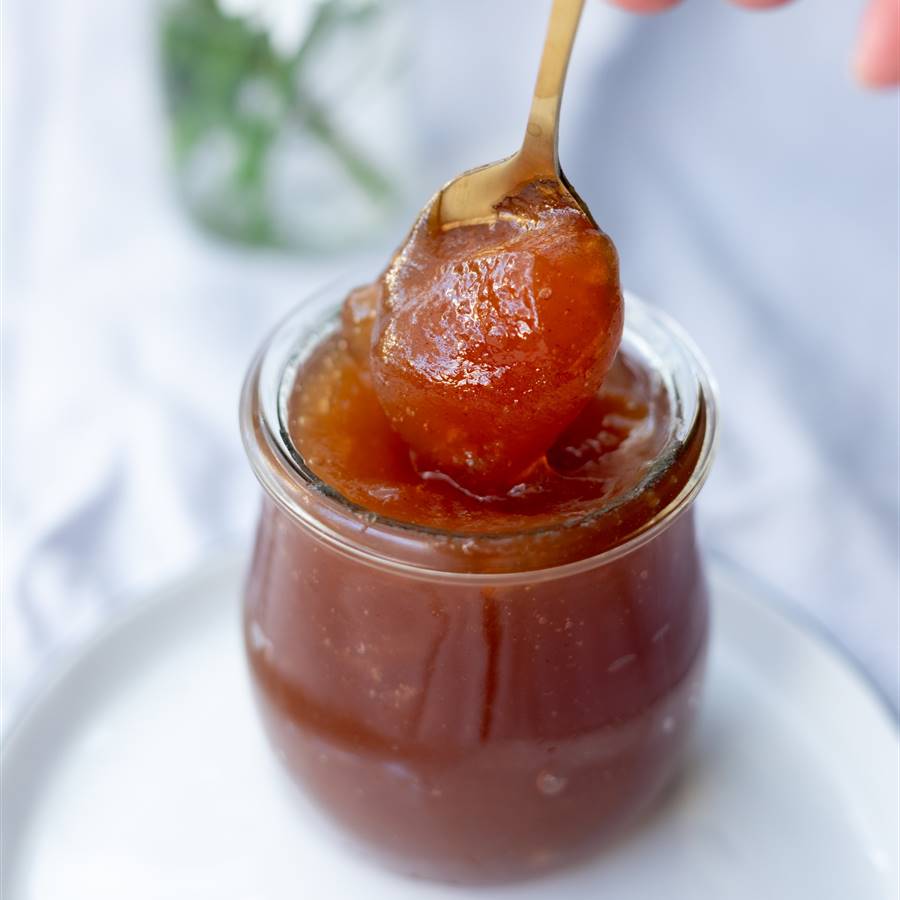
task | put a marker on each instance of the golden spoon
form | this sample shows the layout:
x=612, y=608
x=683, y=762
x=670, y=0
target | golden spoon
x=472, y=197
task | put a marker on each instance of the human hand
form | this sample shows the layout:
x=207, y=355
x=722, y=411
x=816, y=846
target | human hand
x=877, y=55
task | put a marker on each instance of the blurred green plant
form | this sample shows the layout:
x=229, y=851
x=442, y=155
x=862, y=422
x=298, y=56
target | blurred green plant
x=226, y=85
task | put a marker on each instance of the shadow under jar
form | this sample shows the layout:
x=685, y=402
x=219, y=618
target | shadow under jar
x=474, y=706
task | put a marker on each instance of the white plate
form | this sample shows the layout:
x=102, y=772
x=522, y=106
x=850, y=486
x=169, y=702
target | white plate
x=141, y=773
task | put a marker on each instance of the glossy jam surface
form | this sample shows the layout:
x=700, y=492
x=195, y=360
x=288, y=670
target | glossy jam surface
x=486, y=341
x=612, y=448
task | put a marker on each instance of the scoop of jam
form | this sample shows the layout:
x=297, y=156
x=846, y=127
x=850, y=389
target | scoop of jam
x=485, y=342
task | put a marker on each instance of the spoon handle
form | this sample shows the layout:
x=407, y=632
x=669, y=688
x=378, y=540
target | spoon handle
x=539, y=147
x=473, y=198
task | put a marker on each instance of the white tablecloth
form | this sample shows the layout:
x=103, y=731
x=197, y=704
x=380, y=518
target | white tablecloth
x=750, y=186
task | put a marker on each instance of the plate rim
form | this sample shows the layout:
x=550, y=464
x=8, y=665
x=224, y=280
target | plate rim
x=141, y=603
x=764, y=594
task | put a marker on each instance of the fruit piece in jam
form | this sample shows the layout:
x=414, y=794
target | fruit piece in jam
x=485, y=342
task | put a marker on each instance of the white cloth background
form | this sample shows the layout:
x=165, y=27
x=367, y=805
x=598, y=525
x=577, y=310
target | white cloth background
x=750, y=186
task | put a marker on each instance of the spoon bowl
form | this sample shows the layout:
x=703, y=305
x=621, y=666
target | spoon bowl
x=473, y=197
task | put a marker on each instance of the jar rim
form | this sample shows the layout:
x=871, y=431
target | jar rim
x=291, y=484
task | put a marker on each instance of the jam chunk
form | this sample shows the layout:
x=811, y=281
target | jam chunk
x=488, y=340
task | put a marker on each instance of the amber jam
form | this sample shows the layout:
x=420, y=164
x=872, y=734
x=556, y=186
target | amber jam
x=477, y=687
x=486, y=341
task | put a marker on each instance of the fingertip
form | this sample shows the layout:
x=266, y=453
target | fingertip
x=876, y=61
x=646, y=6
x=761, y=4
x=874, y=74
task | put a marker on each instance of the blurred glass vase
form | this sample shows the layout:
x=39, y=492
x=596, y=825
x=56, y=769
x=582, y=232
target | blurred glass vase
x=290, y=120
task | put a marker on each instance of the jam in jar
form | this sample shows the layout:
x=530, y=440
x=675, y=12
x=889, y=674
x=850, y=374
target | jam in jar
x=476, y=687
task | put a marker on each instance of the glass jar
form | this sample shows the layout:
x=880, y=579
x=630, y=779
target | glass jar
x=465, y=718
